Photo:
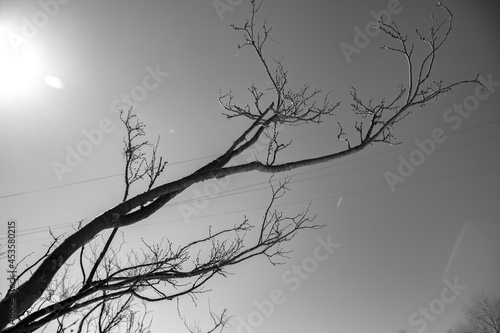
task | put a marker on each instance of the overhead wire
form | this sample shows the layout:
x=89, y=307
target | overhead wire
x=234, y=191
x=186, y=161
x=227, y=193
x=335, y=195
x=344, y=194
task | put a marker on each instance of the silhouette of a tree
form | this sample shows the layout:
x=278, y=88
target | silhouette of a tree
x=482, y=315
x=104, y=290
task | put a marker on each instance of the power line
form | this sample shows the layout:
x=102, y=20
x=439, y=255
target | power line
x=335, y=195
x=325, y=197
x=228, y=193
x=214, y=155
x=233, y=191
x=199, y=158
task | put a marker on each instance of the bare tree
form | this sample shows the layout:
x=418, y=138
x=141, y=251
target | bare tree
x=482, y=315
x=108, y=284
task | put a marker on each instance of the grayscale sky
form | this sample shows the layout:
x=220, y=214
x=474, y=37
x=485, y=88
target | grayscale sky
x=66, y=67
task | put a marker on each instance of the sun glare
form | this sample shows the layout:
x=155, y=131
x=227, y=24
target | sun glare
x=53, y=81
x=18, y=72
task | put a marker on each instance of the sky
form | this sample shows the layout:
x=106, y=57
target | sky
x=426, y=244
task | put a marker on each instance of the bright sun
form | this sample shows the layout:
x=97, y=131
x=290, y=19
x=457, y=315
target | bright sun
x=18, y=72
x=23, y=70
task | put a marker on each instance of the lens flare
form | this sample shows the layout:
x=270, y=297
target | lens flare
x=54, y=82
